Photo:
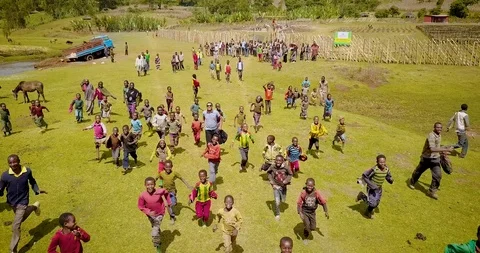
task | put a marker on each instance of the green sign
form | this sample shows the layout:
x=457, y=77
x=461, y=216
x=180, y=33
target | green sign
x=342, y=39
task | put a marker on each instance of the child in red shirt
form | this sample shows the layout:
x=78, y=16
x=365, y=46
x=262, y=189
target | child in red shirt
x=36, y=111
x=196, y=85
x=307, y=204
x=69, y=237
x=197, y=129
x=228, y=71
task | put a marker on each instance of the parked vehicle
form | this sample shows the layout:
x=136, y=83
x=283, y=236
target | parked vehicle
x=94, y=48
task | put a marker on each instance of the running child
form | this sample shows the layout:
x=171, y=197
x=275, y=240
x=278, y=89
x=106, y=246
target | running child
x=152, y=203
x=169, y=99
x=99, y=132
x=279, y=177
x=232, y=222
x=293, y=155
x=212, y=153
x=5, y=120
x=289, y=96
x=106, y=108
x=313, y=97
x=195, y=85
x=136, y=124
x=167, y=182
x=36, y=111
x=256, y=108
x=180, y=117
x=340, y=135
x=218, y=69
x=239, y=119
x=305, y=87
x=270, y=152
x=148, y=111
x=69, y=238
x=240, y=69
x=304, y=107
x=295, y=96
x=163, y=153
x=157, y=62
x=228, y=71
x=307, y=205
x=212, y=69
x=195, y=108
x=202, y=193
x=77, y=105
x=196, y=129
x=268, y=88
x=374, y=178
x=329, y=103
x=316, y=130
x=159, y=121
x=174, y=127
x=126, y=85
x=218, y=107
x=243, y=138
x=114, y=143
x=130, y=145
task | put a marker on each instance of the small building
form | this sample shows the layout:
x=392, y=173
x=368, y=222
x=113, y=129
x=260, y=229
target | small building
x=409, y=15
x=435, y=19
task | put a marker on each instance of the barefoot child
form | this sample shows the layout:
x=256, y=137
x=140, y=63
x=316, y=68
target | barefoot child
x=163, y=153
x=159, y=122
x=268, y=88
x=374, y=178
x=167, y=182
x=212, y=153
x=195, y=108
x=106, y=108
x=202, y=193
x=115, y=144
x=137, y=127
x=329, y=103
x=173, y=126
x=340, y=135
x=279, y=177
x=270, y=152
x=307, y=204
x=293, y=154
x=147, y=110
x=316, y=130
x=196, y=129
x=195, y=85
x=99, y=132
x=304, y=107
x=289, y=96
x=5, y=120
x=313, y=97
x=243, y=138
x=232, y=222
x=180, y=117
x=228, y=71
x=77, y=105
x=152, y=203
x=212, y=69
x=169, y=99
x=256, y=108
x=239, y=119
x=157, y=62
x=129, y=144
x=69, y=237
x=36, y=112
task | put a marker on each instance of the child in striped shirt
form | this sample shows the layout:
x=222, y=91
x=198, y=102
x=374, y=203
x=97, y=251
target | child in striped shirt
x=163, y=153
x=202, y=193
x=293, y=154
x=243, y=138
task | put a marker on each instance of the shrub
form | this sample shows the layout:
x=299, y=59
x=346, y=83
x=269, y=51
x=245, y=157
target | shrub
x=458, y=9
x=436, y=11
x=382, y=13
x=394, y=11
x=421, y=13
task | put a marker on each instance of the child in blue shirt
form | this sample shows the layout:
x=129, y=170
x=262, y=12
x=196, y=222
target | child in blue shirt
x=136, y=126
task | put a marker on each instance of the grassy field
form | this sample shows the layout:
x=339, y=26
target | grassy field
x=392, y=118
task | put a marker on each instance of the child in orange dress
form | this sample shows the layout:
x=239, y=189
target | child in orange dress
x=197, y=129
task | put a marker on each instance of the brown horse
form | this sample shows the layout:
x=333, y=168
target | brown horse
x=29, y=86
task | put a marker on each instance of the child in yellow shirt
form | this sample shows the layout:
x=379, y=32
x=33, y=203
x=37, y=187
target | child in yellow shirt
x=232, y=221
x=316, y=130
x=340, y=135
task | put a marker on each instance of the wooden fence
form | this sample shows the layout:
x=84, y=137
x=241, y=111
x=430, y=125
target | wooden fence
x=362, y=49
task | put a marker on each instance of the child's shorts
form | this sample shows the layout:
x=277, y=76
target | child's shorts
x=173, y=197
x=295, y=166
x=289, y=101
x=340, y=137
x=105, y=114
x=99, y=141
x=116, y=153
x=174, y=139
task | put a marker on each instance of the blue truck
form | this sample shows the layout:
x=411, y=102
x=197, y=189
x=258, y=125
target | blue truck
x=95, y=48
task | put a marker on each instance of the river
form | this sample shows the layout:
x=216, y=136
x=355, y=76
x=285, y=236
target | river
x=15, y=68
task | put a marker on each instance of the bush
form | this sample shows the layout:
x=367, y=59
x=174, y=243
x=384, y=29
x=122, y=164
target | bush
x=394, y=11
x=125, y=23
x=436, y=11
x=421, y=13
x=382, y=13
x=458, y=9
x=440, y=3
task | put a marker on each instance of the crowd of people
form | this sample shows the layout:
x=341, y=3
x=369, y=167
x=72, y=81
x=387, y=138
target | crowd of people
x=280, y=163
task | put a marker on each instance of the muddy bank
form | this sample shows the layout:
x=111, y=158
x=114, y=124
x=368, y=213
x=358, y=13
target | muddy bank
x=16, y=68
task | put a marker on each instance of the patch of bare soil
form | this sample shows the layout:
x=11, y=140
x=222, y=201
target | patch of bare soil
x=50, y=63
x=342, y=87
x=372, y=76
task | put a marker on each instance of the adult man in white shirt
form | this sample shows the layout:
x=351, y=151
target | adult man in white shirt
x=462, y=123
x=240, y=69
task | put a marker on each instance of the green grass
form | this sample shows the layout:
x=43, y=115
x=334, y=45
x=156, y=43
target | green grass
x=392, y=119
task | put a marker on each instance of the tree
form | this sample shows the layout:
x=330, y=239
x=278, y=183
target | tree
x=436, y=11
x=14, y=14
x=382, y=14
x=459, y=9
x=262, y=5
x=394, y=11
x=109, y=4
x=421, y=13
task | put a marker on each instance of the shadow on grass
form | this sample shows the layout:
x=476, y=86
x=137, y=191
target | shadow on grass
x=178, y=150
x=40, y=231
x=418, y=186
x=12, y=133
x=168, y=237
x=219, y=180
x=5, y=207
x=223, y=152
x=337, y=148
x=236, y=248
x=48, y=130
x=271, y=205
x=142, y=144
x=264, y=176
x=249, y=164
x=179, y=207
x=298, y=231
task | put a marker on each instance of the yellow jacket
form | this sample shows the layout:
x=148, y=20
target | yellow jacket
x=317, y=130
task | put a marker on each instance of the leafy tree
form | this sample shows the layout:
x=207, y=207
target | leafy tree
x=110, y=4
x=382, y=13
x=459, y=9
x=394, y=11
x=421, y=13
x=436, y=11
x=262, y=5
x=14, y=14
